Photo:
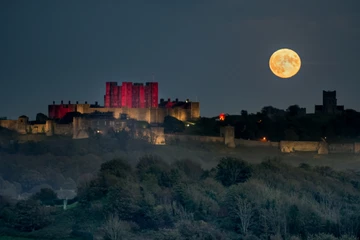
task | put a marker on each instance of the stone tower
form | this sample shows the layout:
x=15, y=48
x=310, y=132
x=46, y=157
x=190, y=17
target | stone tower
x=21, y=124
x=228, y=132
x=49, y=127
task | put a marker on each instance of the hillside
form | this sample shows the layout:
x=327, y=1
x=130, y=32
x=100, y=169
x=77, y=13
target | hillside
x=179, y=188
x=61, y=162
x=234, y=200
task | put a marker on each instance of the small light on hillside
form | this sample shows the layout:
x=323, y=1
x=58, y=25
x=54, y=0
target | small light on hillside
x=222, y=117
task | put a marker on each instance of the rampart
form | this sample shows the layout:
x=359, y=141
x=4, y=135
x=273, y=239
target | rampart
x=150, y=115
x=78, y=129
x=183, y=138
x=253, y=143
x=342, y=148
x=298, y=146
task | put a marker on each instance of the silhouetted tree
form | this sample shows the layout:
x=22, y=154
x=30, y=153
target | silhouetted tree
x=231, y=171
x=68, y=118
x=244, y=113
x=293, y=110
x=41, y=118
x=173, y=125
x=46, y=196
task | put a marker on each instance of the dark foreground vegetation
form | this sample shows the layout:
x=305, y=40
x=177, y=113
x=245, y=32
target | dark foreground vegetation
x=155, y=200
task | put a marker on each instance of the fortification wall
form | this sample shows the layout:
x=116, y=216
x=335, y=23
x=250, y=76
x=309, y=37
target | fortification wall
x=179, y=113
x=253, y=143
x=356, y=147
x=195, y=110
x=63, y=129
x=37, y=128
x=151, y=115
x=182, y=138
x=342, y=148
x=9, y=124
x=300, y=146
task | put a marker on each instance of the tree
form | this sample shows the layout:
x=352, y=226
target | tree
x=65, y=195
x=46, y=196
x=231, y=171
x=68, y=118
x=150, y=165
x=293, y=110
x=173, y=125
x=117, y=167
x=291, y=135
x=41, y=118
x=116, y=229
x=29, y=215
x=245, y=211
x=244, y=113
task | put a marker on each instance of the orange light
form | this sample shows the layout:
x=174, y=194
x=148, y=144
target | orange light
x=222, y=117
x=263, y=139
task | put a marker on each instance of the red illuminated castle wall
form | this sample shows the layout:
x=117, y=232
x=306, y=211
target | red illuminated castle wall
x=131, y=95
x=60, y=110
x=127, y=95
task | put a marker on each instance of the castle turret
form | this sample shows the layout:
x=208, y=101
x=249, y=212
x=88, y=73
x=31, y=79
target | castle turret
x=79, y=131
x=49, y=127
x=22, y=124
x=228, y=133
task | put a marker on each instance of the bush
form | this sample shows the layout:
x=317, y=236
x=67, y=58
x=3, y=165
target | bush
x=46, y=196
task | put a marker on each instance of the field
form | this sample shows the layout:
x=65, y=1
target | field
x=209, y=154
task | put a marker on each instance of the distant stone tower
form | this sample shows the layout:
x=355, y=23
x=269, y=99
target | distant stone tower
x=22, y=124
x=329, y=102
x=79, y=131
x=49, y=127
x=228, y=132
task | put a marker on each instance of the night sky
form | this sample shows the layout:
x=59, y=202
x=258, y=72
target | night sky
x=215, y=51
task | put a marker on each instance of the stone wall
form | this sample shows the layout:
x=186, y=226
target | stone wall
x=356, y=147
x=228, y=133
x=299, y=146
x=36, y=129
x=253, y=143
x=150, y=115
x=342, y=148
x=63, y=129
x=182, y=138
x=9, y=124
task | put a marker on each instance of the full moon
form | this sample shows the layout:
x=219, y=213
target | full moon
x=285, y=63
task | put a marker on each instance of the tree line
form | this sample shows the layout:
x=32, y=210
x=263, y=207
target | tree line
x=158, y=200
x=275, y=125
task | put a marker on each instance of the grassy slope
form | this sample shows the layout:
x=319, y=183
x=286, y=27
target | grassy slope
x=209, y=155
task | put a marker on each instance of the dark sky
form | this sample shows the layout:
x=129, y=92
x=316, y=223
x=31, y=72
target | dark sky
x=216, y=51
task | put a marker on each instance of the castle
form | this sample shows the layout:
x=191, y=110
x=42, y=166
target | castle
x=132, y=101
x=129, y=101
